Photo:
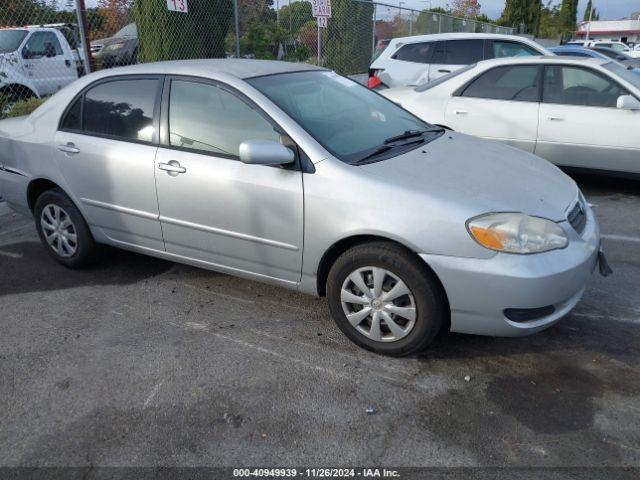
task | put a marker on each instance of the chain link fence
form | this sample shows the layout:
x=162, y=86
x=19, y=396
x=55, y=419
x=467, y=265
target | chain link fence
x=41, y=43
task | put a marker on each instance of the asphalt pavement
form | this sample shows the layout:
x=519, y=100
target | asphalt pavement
x=143, y=362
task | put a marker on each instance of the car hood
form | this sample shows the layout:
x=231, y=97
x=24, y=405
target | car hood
x=109, y=40
x=482, y=176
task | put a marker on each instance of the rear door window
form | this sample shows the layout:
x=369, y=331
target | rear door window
x=515, y=83
x=463, y=52
x=121, y=108
x=415, y=52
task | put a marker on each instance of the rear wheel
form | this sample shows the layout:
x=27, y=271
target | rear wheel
x=384, y=300
x=63, y=231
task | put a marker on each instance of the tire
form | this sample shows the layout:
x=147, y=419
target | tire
x=78, y=248
x=395, y=266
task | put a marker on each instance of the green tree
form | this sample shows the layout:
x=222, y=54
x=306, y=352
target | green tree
x=428, y=21
x=168, y=35
x=550, y=21
x=517, y=13
x=589, y=11
x=568, y=16
x=295, y=15
x=348, y=37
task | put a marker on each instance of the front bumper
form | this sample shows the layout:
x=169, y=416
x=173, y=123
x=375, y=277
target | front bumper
x=480, y=290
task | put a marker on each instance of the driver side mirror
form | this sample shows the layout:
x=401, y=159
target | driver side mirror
x=265, y=152
x=628, y=102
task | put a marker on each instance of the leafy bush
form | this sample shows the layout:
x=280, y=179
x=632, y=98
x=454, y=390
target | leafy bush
x=21, y=107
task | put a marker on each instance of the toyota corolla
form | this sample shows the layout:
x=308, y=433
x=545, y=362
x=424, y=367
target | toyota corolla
x=293, y=175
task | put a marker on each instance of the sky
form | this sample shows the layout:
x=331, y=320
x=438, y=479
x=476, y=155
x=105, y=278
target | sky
x=609, y=9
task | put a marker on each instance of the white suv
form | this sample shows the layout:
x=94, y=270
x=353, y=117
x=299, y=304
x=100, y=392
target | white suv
x=411, y=61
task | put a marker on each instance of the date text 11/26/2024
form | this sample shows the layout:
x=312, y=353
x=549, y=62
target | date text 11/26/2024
x=316, y=472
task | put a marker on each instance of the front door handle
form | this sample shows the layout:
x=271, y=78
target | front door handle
x=461, y=112
x=556, y=119
x=68, y=148
x=442, y=70
x=173, y=167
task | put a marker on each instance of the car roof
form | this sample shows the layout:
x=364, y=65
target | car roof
x=540, y=59
x=240, y=68
x=457, y=36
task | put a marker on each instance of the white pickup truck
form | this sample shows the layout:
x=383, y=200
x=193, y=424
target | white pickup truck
x=36, y=60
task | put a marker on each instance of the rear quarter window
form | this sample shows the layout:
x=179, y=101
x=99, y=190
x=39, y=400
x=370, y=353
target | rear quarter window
x=415, y=52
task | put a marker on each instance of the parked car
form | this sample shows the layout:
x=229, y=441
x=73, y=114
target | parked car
x=586, y=112
x=420, y=59
x=35, y=61
x=121, y=49
x=577, y=51
x=614, y=45
x=293, y=175
x=618, y=56
x=583, y=52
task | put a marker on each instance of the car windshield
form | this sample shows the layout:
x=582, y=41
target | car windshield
x=620, y=70
x=127, y=31
x=10, y=40
x=352, y=122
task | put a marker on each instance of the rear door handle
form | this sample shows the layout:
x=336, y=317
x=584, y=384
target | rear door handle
x=556, y=119
x=68, y=148
x=444, y=71
x=173, y=167
x=461, y=112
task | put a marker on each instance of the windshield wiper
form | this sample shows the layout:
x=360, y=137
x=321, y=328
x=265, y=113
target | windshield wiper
x=375, y=153
x=406, y=134
x=411, y=134
x=385, y=148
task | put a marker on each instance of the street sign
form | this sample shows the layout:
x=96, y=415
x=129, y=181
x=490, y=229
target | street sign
x=178, y=6
x=321, y=8
x=322, y=22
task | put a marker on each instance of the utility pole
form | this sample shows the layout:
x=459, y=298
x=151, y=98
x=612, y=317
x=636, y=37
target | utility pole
x=589, y=24
x=81, y=13
x=235, y=14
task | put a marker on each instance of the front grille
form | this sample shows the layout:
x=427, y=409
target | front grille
x=577, y=217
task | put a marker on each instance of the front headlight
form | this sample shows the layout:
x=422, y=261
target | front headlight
x=517, y=233
x=115, y=46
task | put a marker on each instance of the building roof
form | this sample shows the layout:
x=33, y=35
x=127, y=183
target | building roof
x=609, y=27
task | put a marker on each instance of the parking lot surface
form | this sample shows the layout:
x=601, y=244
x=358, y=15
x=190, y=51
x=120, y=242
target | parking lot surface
x=139, y=361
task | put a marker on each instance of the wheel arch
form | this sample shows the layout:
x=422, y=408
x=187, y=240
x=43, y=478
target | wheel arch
x=37, y=187
x=338, y=248
x=24, y=90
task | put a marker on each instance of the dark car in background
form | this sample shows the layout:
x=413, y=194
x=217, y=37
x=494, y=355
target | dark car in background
x=121, y=49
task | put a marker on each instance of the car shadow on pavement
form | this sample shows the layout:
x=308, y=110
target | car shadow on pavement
x=26, y=267
x=619, y=340
x=598, y=184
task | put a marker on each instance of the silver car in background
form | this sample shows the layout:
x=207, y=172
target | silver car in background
x=293, y=175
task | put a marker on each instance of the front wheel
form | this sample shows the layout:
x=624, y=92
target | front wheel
x=384, y=300
x=63, y=231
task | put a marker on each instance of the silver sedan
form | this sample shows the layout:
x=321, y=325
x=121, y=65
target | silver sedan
x=296, y=176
